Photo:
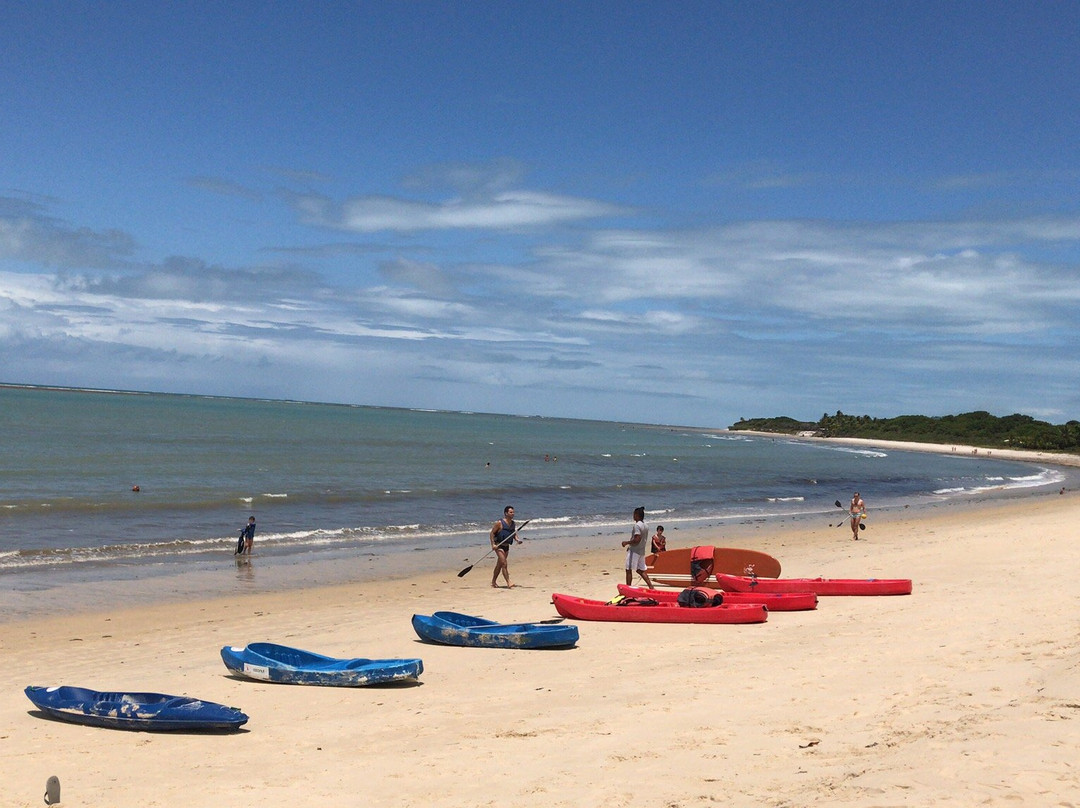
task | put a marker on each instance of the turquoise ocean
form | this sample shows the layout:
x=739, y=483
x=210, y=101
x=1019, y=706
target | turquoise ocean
x=332, y=483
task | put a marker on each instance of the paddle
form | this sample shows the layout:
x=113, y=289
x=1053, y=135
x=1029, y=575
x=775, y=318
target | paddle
x=468, y=569
x=838, y=505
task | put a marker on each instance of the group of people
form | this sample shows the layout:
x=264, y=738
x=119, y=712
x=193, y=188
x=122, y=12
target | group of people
x=504, y=534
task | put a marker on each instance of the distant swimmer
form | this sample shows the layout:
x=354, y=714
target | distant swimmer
x=135, y=488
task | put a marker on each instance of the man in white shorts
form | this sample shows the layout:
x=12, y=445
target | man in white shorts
x=637, y=548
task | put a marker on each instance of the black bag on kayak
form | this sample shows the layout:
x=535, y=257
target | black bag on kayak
x=698, y=597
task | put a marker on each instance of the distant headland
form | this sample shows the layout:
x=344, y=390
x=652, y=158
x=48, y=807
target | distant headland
x=978, y=428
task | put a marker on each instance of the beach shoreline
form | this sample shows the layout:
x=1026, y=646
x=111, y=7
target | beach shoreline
x=34, y=594
x=961, y=693
x=406, y=493
x=1022, y=455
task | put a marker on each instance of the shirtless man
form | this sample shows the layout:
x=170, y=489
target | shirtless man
x=857, y=509
x=503, y=534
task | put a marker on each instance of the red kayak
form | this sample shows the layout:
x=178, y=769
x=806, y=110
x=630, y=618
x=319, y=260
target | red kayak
x=776, y=601
x=819, y=586
x=584, y=609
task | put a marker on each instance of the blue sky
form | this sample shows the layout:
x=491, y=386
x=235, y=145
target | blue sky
x=684, y=212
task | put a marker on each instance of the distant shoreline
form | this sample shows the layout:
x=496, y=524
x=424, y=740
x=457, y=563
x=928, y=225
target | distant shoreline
x=1023, y=455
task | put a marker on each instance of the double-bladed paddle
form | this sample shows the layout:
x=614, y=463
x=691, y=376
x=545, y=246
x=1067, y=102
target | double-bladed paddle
x=468, y=569
x=861, y=525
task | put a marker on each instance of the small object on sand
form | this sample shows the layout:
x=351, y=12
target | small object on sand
x=52, y=790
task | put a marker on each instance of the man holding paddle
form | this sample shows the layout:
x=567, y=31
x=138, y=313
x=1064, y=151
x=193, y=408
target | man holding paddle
x=503, y=534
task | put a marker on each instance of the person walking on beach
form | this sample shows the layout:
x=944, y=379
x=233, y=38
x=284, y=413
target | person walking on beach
x=247, y=533
x=659, y=541
x=636, y=548
x=503, y=534
x=857, y=509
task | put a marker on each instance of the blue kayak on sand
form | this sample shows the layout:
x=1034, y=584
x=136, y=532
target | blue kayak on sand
x=157, y=712
x=269, y=662
x=452, y=628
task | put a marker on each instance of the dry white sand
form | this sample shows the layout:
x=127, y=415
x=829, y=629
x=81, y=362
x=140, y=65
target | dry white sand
x=965, y=693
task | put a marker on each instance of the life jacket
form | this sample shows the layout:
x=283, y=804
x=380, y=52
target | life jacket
x=696, y=597
x=506, y=532
x=701, y=564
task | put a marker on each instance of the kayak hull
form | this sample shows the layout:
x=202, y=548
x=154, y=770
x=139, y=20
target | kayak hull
x=777, y=602
x=585, y=609
x=154, y=712
x=675, y=564
x=453, y=628
x=819, y=586
x=269, y=662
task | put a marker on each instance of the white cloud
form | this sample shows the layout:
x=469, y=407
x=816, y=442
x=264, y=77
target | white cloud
x=507, y=210
x=28, y=234
x=883, y=275
x=470, y=179
x=425, y=276
x=937, y=316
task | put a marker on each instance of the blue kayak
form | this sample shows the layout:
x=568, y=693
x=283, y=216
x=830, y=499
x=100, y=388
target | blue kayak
x=137, y=711
x=269, y=662
x=451, y=628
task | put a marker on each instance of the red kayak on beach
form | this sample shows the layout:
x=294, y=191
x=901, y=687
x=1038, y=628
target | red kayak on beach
x=819, y=586
x=776, y=601
x=584, y=609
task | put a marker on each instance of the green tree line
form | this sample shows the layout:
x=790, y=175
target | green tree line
x=978, y=428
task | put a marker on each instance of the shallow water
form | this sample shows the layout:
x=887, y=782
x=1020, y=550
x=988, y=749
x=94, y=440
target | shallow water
x=338, y=488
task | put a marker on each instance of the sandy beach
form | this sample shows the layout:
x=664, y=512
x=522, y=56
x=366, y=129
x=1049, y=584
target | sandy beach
x=1052, y=458
x=965, y=693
